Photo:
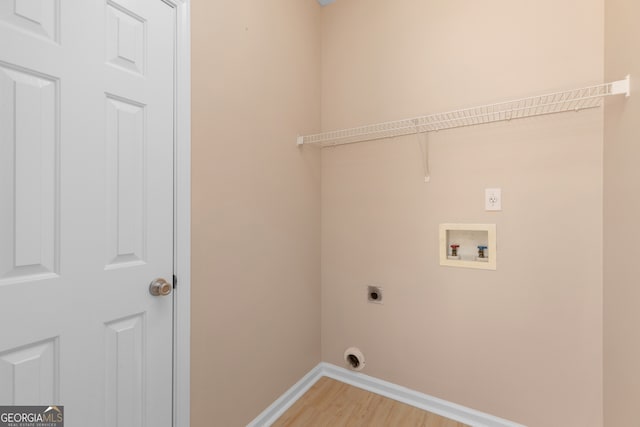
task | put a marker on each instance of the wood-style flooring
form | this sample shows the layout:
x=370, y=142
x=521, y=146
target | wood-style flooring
x=330, y=403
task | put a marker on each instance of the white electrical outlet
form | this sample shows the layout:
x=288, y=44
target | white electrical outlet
x=493, y=199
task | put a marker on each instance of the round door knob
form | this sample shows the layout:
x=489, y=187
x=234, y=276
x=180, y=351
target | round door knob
x=160, y=287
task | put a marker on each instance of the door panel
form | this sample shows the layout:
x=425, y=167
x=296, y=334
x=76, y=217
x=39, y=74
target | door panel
x=38, y=17
x=32, y=373
x=126, y=187
x=28, y=161
x=125, y=367
x=125, y=38
x=86, y=208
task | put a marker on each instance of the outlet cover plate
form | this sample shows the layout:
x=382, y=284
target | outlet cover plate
x=493, y=199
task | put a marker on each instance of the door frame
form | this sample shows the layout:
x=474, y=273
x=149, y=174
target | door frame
x=182, y=215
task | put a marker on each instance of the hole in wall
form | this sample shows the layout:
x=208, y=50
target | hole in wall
x=374, y=294
x=354, y=359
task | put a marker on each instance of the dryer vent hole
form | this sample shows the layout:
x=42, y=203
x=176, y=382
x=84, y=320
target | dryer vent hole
x=353, y=361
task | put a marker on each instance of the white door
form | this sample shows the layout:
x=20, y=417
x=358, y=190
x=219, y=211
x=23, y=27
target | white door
x=86, y=208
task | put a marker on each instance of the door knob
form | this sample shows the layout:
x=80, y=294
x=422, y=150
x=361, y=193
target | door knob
x=160, y=287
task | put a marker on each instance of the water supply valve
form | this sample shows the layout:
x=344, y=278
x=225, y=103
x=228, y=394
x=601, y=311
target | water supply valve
x=454, y=250
x=481, y=251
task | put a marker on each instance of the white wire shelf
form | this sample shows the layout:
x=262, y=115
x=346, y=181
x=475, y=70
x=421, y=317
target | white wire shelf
x=558, y=102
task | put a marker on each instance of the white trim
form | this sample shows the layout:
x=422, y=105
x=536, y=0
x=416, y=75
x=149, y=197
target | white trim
x=284, y=402
x=384, y=388
x=182, y=218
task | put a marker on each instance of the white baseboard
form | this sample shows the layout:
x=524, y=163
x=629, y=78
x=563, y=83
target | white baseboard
x=384, y=388
x=284, y=402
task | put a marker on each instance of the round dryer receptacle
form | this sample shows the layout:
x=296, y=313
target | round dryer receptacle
x=354, y=358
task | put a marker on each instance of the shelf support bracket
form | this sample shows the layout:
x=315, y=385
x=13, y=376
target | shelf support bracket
x=622, y=87
x=424, y=148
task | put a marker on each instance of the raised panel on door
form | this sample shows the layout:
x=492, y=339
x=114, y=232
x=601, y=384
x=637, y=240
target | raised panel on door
x=125, y=372
x=29, y=374
x=126, y=38
x=126, y=182
x=39, y=18
x=28, y=175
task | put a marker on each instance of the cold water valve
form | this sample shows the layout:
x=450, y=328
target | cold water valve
x=482, y=255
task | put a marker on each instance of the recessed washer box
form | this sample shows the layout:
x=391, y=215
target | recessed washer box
x=474, y=245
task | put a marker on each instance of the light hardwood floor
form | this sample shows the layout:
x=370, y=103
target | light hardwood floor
x=330, y=403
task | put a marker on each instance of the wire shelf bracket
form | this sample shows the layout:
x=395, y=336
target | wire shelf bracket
x=552, y=103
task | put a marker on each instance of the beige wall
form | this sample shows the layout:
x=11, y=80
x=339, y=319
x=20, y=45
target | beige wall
x=621, y=216
x=256, y=226
x=523, y=342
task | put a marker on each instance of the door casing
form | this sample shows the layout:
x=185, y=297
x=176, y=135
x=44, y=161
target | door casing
x=182, y=207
